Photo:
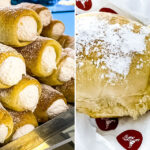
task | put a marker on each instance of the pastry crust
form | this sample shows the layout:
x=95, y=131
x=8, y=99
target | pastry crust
x=48, y=97
x=33, y=55
x=10, y=97
x=103, y=91
x=9, y=18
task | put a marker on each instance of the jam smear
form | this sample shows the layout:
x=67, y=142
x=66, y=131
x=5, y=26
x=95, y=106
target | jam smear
x=107, y=124
x=109, y=10
x=84, y=4
x=130, y=139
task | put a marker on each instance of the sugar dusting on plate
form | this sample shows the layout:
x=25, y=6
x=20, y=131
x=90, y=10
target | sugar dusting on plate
x=113, y=44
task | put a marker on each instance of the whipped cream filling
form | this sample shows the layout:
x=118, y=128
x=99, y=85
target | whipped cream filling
x=67, y=70
x=27, y=29
x=56, y=108
x=3, y=133
x=11, y=70
x=49, y=60
x=22, y=131
x=28, y=97
x=45, y=17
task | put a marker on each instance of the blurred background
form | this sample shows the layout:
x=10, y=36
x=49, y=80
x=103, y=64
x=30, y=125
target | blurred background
x=62, y=10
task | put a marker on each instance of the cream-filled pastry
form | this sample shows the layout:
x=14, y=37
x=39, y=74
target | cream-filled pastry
x=24, y=123
x=51, y=103
x=20, y=25
x=113, y=65
x=41, y=56
x=23, y=96
x=65, y=70
x=43, y=12
x=12, y=66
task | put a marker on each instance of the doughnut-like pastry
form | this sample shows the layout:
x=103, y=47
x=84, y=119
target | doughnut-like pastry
x=23, y=96
x=113, y=67
x=12, y=66
x=41, y=56
x=24, y=122
x=43, y=12
x=51, y=103
x=19, y=26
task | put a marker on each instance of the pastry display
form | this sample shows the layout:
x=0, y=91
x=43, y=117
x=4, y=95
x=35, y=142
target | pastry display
x=6, y=124
x=19, y=26
x=66, y=41
x=51, y=103
x=113, y=65
x=23, y=96
x=33, y=51
x=43, y=12
x=41, y=56
x=24, y=122
x=64, y=72
x=12, y=66
x=68, y=90
x=54, y=30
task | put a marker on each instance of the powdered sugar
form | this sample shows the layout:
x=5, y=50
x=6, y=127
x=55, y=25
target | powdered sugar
x=113, y=44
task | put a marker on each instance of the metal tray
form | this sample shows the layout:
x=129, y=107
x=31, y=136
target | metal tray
x=49, y=135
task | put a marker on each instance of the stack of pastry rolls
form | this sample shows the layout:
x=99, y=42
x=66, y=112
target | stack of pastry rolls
x=36, y=69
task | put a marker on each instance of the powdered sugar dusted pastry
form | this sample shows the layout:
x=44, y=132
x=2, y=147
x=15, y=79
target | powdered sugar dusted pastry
x=64, y=72
x=23, y=96
x=6, y=125
x=66, y=41
x=24, y=122
x=43, y=12
x=41, y=56
x=68, y=90
x=12, y=66
x=20, y=25
x=54, y=30
x=112, y=66
x=51, y=103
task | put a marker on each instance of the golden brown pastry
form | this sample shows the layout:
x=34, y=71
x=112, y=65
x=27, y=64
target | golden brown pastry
x=66, y=41
x=12, y=66
x=68, y=90
x=23, y=96
x=41, y=56
x=24, y=122
x=19, y=26
x=51, y=103
x=113, y=66
x=43, y=12
x=54, y=30
x=6, y=124
x=65, y=69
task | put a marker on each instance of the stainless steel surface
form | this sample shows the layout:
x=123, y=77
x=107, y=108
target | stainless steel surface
x=45, y=134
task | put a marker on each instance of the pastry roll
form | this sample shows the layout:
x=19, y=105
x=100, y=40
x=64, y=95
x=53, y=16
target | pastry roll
x=6, y=124
x=51, y=103
x=113, y=66
x=43, y=12
x=64, y=72
x=23, y=96
x=12, y=66
x=41, y=56
x=67, y=89
x=66, y=41
x=54, y=30
x=19, y=26
x=24, y=122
